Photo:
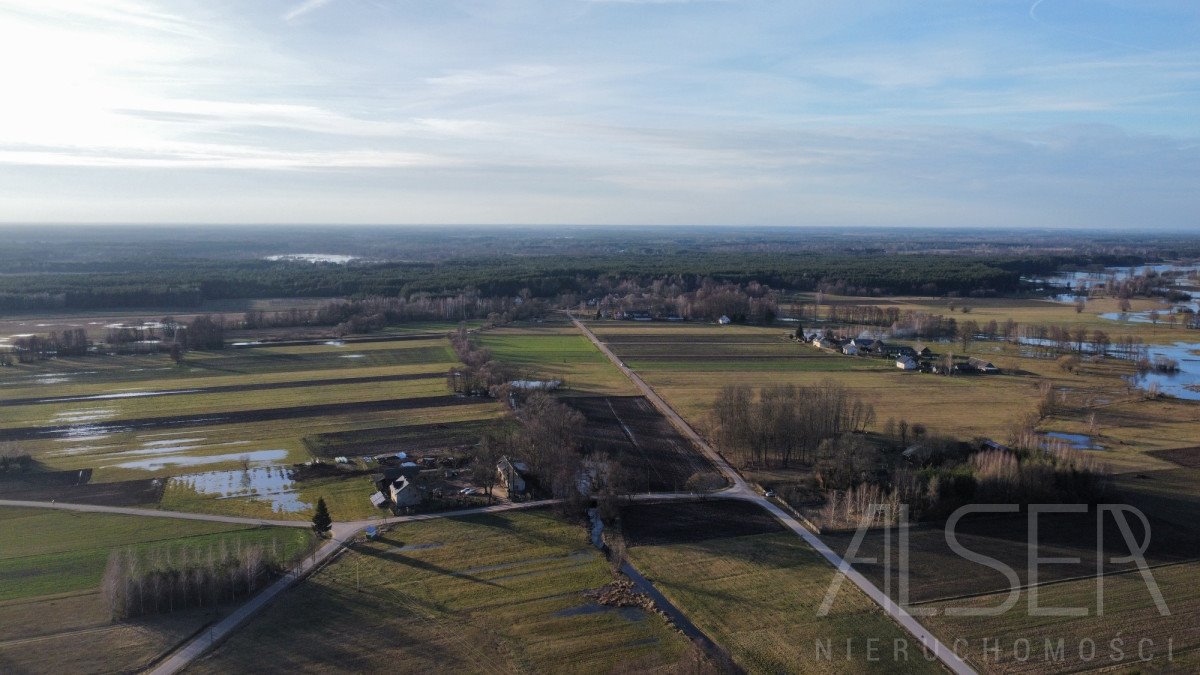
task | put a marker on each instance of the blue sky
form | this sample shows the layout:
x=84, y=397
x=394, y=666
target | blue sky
x=1054, y=113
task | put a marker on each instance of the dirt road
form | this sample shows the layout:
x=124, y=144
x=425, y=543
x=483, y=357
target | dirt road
x=740, y=489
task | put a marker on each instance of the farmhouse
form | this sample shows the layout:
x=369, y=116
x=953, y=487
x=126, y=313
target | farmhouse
x=827, y=343
x=383, y=481
x=923, y=351
x=851, y=349
x=865, y=344
x=724, y=320
x=982, y=366
x=512, y=475
x=906, y=363
x=404, y=492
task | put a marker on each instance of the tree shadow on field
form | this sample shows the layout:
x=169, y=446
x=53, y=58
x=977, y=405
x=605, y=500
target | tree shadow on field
x=328, y=628
x=391, y=555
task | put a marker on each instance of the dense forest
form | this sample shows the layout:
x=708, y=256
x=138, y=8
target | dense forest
x=173, y=269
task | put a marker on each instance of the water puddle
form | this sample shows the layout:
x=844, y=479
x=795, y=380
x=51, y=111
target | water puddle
x=120, y=395
x=1072, y=441
x=271, y=484
x=158, y=463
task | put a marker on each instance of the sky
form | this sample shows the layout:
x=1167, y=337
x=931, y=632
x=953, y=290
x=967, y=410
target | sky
x=982, y=113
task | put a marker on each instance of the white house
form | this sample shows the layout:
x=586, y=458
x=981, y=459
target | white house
x=850, y=350
x=906, y=363
x=724, y=320
x=404, y=493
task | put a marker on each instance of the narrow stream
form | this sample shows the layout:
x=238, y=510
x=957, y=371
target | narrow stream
x=645, y=586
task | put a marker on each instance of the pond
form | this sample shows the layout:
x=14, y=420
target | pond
x=270, y=484
x=1183, y=384
x=1072, y=441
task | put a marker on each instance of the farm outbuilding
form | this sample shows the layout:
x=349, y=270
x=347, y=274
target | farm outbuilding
x=906, y=363
x=982, y=366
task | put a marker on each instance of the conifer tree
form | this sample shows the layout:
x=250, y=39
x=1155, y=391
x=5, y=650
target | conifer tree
x=322, y=521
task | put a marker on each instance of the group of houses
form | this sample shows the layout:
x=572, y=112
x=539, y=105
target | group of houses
x=406, y=484
x=918, y=358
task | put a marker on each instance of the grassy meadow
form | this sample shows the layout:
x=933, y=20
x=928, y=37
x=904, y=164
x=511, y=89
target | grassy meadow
x=496, y=593
x=52, y=614
x=756, y=590
x=556, y=350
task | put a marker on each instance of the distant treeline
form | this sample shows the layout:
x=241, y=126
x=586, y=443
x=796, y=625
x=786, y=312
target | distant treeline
x=190, y=283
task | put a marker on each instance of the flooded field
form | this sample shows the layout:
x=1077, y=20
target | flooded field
x=270, y=484
x=183, y=460
x=1182, y=384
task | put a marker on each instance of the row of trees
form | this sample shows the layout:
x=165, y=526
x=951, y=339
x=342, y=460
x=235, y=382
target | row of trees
x=782, y=424
x=373, y=313
x=167, y=579
x=479, y=373
x=751, y=302
x=72, y=342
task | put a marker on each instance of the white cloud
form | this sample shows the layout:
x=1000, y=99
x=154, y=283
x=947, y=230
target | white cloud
x=304, y=8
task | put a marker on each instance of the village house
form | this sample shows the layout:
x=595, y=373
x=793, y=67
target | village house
x=724, y=320
x=851, y=349
x=906, y=363
x=864, y=344
x=404, y=492
x=827, y=343
x=982, y=366
x=512, y=474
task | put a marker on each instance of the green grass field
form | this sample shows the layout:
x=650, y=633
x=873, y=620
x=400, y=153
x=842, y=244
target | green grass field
x=52, y=615
x=758, y=596
x=496, y=593
x=560, y=352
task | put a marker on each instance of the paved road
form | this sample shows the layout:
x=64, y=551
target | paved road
x=740, y=489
